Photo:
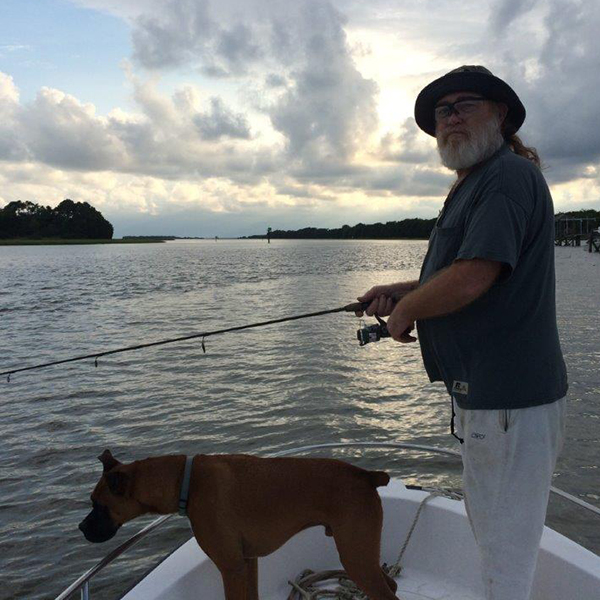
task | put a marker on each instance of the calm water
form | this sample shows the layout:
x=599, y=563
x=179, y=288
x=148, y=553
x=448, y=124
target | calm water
x=288, y=385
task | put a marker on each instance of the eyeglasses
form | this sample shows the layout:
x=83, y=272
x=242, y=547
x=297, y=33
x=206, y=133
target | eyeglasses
x=462, y=107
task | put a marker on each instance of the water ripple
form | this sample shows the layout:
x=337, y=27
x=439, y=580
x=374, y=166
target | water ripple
x=283, y=386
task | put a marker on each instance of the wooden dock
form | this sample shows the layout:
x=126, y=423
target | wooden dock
x=570, y=240
x=592, y=240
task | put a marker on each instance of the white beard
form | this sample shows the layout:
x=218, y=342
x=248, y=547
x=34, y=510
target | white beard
x=462, y=152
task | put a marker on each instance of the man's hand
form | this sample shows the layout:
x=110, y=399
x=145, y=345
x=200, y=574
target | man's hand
x=400, y=325
x=384, y=297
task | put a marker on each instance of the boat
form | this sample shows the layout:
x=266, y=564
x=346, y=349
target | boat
x=427, y=546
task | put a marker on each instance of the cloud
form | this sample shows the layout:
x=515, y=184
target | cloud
x=190, y=32
x=296, y=57
x=176, y=35
x=329, y=109
x=11, y=147
x=60, y=131
x=238, y=47
x=312, y=95
x=14, y=48
x=503, y=13
x=170, y=136
x=272, y=103
x=408, y=145
x=325, y=108
x=221, y=122
x=556, y=72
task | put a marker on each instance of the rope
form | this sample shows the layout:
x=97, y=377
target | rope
x=396, y=568
x=304, y=587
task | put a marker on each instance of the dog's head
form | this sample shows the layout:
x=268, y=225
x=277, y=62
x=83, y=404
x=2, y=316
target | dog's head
x=112, y=500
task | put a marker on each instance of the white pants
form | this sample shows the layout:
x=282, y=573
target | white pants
x=508, y=460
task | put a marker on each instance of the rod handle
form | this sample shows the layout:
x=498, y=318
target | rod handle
x=357, y=306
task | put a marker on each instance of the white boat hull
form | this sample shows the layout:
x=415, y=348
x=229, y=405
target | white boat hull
x=441, y=561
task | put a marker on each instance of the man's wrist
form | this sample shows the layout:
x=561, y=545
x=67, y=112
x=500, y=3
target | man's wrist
x=405, y=308
x=403, y=288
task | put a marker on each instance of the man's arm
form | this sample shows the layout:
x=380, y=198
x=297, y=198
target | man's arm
x=452, y=289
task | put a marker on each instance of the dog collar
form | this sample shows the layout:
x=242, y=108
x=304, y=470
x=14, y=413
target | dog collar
x=185, y=486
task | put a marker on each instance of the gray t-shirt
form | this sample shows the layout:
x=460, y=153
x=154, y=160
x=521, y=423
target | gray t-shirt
x=502, y=350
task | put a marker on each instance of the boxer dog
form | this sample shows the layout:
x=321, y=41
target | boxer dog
x=243, y=507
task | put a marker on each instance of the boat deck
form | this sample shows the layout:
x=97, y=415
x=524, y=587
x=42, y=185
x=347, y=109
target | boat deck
x=441, y=561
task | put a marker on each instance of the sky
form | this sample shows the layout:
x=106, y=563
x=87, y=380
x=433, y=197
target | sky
x=225, y=117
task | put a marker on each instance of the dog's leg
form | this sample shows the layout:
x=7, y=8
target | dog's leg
x=235, y=582
x=390, y=581
x=251, y=578
x=358, y=544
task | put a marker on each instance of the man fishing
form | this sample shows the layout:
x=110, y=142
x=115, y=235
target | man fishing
x=484, y=306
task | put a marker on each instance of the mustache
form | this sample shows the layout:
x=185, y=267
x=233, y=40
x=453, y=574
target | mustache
x=447, y=134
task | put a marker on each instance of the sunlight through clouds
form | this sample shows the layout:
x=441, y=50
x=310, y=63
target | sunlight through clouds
x=244, y=105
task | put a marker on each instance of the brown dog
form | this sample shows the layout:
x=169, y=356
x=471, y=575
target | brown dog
x=241, y=507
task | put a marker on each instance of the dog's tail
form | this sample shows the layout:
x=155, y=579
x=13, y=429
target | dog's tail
x=378, y=478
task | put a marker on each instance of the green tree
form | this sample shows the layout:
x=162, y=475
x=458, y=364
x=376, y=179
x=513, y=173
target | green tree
x=70, y=220
x=80, y=220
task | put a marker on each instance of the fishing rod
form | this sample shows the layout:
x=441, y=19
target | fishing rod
x=366, y=334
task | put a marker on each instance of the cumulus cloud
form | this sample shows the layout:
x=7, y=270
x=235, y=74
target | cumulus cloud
x=169, y=137
x=283, y=105
x=11, y=147
x=546, y=49
x=180, y=137
x=325, y=108
x=503, y=13
x=329, y=109
x=408, y=145
x=557, y=75
x=198, y=33
x=221, y=122
x=180, y=33
x=60, y=131
x=322, y=107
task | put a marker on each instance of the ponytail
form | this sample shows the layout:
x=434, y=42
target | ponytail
x=517, y=146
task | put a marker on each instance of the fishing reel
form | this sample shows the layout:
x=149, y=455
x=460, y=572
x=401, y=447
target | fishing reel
x=372, y=333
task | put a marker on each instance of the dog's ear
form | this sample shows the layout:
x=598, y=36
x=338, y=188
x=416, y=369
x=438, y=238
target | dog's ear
x=108, y=461
x=117, y=482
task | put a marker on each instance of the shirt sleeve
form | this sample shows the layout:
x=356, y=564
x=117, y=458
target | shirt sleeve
x=494, y=230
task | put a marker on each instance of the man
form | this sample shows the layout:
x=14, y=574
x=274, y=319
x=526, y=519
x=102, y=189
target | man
x=484, y=306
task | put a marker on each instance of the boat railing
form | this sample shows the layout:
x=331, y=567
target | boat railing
x=82, y=584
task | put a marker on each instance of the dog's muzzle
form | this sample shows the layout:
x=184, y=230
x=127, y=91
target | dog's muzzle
x=98, y=527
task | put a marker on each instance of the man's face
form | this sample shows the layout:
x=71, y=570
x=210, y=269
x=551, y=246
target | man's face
x=473, y=135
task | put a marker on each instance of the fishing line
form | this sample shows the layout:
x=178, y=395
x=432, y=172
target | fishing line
x=354, y=307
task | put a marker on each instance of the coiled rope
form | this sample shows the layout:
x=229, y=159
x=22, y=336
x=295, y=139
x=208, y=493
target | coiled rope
x=306, y=585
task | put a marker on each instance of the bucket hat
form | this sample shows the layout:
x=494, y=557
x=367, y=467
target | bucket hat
x=471, y=78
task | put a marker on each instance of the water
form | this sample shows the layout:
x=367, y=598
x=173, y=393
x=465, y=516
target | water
x=293, y=384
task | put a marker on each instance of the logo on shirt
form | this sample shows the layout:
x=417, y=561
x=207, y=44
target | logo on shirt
x=460, y=387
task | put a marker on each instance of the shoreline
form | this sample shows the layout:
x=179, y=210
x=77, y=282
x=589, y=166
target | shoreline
x=62, y=242
x=369, y=239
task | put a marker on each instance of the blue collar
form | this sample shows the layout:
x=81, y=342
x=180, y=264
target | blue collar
x=185, y=486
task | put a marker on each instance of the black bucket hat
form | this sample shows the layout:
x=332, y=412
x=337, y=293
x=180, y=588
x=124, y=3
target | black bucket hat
x=471, y=78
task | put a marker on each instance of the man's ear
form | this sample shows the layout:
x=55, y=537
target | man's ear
x=502, y=111
x=117, y=482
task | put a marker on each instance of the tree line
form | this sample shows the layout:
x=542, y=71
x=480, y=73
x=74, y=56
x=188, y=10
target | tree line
x=585, y=213
x=68, y=220
x=408, y=229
